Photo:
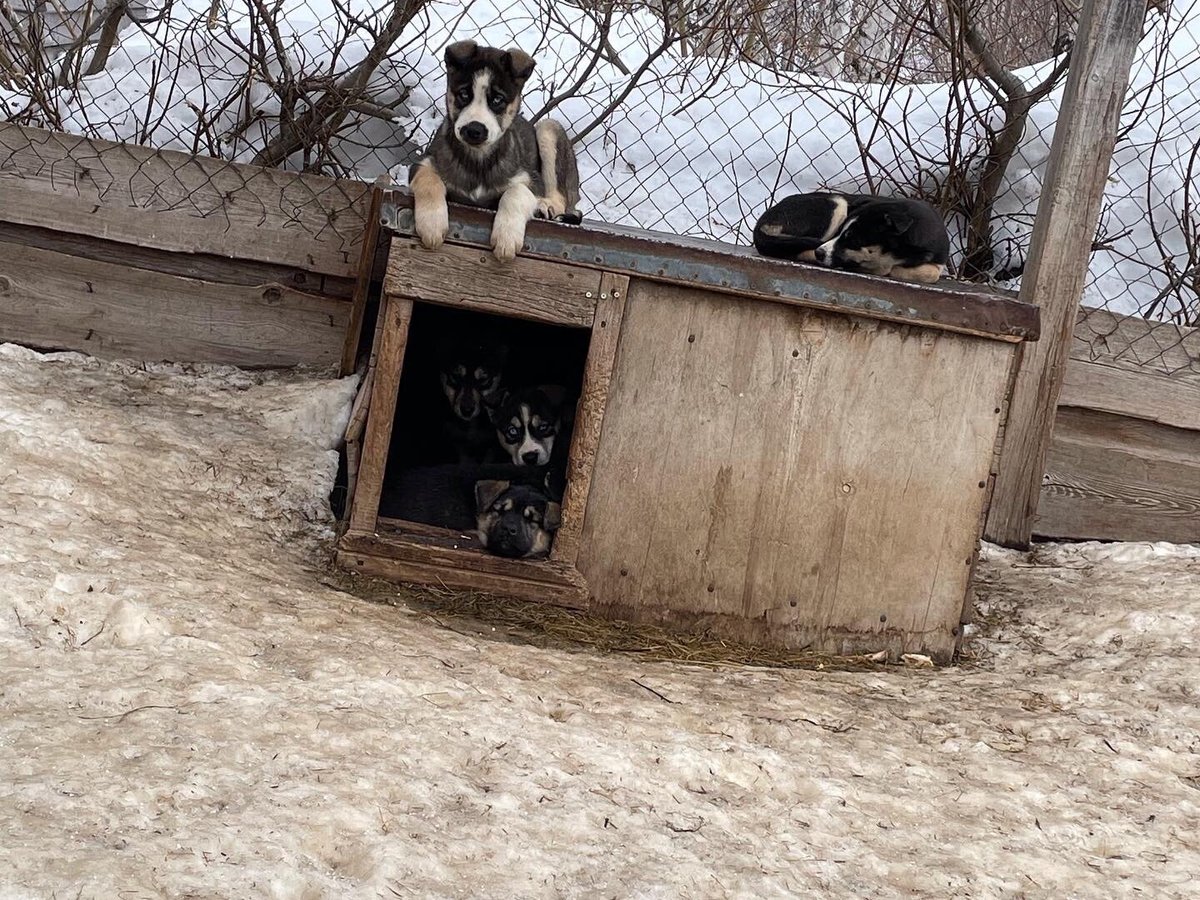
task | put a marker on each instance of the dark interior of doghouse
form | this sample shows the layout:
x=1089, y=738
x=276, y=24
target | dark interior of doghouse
x=439, y=454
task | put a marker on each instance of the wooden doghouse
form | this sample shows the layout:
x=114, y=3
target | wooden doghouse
x=777, y=453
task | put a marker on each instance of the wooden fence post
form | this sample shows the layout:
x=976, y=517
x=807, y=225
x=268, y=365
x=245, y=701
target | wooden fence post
x=1108, y=36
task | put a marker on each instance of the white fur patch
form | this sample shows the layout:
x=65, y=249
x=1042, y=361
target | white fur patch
x=517, y=206
x=478, y=111
x=837, y=218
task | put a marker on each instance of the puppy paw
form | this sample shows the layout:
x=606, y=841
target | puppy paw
x=547, y=208
x=432, y=224
x=508, y=235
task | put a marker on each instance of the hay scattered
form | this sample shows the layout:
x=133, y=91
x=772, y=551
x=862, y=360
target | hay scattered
x=546, y=625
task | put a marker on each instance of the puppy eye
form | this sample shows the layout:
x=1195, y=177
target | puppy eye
x=463, y=96
x=545, y=430
x=512, y=432
x=497, y=102
x=532, y=514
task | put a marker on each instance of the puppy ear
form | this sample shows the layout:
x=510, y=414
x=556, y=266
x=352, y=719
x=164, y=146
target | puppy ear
x=460, y=53
x=553, y=517
x=898, y=221
x=521, y=63
x=486, y=493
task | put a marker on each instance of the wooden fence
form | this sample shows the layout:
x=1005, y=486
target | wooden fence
x=118, y=250
x=1124, y=460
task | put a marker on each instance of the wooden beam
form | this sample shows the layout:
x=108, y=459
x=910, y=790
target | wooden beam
x=174, y=201
x=593, y=400
x=1105, y=44
x=366, y=270
x=394, y=319
x=57, y=301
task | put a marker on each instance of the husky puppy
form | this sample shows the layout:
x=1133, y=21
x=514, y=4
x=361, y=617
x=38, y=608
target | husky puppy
x=471, y=374
x=893, y=236
x=528, y=423
x=486, y=154
x=515, y=520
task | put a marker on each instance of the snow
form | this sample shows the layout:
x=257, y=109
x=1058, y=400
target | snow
x=192, y=706
x=696, y=148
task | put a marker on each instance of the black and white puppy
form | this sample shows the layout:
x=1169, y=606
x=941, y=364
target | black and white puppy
x=471, y=374
x=515, y=520
x=487, y=154
x=528, y=424
x=894, y=236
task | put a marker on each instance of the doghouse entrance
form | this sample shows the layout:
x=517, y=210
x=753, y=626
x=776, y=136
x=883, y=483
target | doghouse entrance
x=449, y=324
x=483, y=399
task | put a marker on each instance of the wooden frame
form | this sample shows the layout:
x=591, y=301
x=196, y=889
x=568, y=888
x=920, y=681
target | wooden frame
x=527, y=289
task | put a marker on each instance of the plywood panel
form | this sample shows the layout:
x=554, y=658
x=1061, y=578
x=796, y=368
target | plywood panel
x=173, y=201
x=1113, y=477
x=57, y=300
x=524, y=288
x=802, y=478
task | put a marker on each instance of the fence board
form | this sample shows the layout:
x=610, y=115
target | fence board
x=172, y=201
x=55, y=300
x=1112, y=477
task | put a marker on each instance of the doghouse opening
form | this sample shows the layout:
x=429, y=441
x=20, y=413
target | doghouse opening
x=483, y=422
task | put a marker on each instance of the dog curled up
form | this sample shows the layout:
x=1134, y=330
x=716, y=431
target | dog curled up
x=893, y=236
x=485, y=153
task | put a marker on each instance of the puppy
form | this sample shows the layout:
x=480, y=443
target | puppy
x=528, y=423
x=515, y=520
x=444, y=495
x=471, y=374
x=486, y=154
x=893, y=236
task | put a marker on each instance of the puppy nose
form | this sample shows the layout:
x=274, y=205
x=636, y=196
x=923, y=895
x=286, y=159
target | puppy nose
x=474, y=132
x=510, y=528
x=820, y=254
x=530, y=458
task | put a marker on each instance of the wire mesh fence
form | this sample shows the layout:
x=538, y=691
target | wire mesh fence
x=688, y=117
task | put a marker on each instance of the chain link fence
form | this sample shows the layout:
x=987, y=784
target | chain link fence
x=688, y=117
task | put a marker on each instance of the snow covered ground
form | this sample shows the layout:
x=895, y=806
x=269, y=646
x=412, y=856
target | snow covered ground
x=190, y=708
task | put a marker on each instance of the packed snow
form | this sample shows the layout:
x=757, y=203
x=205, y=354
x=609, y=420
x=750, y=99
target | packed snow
x=191, y=705
x=698, y=146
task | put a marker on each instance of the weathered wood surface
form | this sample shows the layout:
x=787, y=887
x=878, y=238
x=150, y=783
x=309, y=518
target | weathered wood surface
x=820, y=482
x=368, y=251
x=739, y=272
x=422, y=555
x=1124, y=462
x=1105, y=44
x=1111, y=477
x=589, y=418
x=394, y=318
x=469, y=278
x=172, y=201
x=54, y=300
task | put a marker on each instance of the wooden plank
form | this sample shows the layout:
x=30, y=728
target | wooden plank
x=821, y=483
x=1137, y=345
x=1107, y=38
x=589, y=416
x=54, y=300
x=430, y=545
x=174, y=201
x=453, y=578
x=204, y=266
x=366, y=270
x=1117, y=478
x=394, y=318
x=1123, y=391
x=524, y=288
x=738, y=271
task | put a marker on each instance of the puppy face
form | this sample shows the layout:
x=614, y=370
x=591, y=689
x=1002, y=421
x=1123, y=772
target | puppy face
x=483, y=92
x=516, y=521
x=875, y=241
x=472, y=380
x=527, y=424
